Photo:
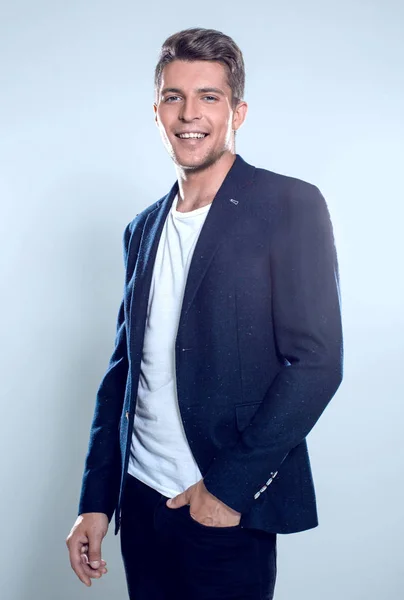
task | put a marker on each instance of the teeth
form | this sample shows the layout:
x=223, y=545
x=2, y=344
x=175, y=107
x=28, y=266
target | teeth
x=192, y=135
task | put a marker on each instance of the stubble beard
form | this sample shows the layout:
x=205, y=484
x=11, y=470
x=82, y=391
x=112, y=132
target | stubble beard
x=206, y=162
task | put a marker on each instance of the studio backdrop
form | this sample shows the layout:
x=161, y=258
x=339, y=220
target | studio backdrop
x=80, y=156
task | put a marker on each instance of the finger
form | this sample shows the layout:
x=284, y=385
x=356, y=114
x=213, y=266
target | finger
x=177, y=501
x=94, y=552
x=89, y=569
x=91, y=573
x=84, y=551
x=101, y=569
x=74, y=546
x=78, y=568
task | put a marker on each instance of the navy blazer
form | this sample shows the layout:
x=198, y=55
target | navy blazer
x=258, y=349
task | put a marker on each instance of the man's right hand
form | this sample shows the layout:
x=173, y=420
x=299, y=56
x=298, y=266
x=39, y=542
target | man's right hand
x=84, y=544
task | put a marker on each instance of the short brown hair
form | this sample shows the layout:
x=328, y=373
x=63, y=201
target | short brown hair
x=198, y=43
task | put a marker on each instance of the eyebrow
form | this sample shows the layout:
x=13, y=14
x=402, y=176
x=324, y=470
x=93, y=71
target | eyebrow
x=203, y=90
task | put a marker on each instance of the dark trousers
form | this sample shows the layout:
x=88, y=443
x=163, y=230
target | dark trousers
x=168, y=555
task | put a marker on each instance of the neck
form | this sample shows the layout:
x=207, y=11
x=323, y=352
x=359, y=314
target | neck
x=197, y=189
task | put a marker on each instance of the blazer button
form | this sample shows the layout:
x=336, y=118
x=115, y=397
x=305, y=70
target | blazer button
x=127, y=415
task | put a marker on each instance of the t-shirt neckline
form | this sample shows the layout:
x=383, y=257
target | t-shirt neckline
x=189, y=213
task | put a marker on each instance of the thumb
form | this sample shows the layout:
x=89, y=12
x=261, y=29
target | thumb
x=178, y=501
x=94, y=551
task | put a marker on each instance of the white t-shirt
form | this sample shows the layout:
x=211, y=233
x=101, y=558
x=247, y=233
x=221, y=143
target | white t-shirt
x=160, y=455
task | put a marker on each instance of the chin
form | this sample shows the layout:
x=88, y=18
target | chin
x=195, y=163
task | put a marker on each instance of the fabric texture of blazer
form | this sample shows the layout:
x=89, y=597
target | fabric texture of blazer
x=259, y=349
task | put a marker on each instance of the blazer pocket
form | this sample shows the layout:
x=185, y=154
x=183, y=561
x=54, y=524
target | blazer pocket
x=244, y=414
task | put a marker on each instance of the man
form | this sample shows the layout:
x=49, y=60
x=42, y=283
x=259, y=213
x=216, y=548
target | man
x=228, y=349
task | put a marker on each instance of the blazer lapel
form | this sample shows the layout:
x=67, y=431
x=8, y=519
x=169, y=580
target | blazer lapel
x=225, y=211
x=142, y=277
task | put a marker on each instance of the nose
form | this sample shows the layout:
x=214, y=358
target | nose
x=190, y=110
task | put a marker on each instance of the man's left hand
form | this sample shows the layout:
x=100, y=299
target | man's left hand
x=205, y=507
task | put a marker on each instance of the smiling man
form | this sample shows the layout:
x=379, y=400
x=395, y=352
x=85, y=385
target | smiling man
x=197, y=117
x=228, y=349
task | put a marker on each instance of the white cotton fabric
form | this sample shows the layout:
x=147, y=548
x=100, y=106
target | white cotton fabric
x=160, y=455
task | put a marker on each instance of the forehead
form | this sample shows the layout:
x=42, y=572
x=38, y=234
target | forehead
x=189, y=75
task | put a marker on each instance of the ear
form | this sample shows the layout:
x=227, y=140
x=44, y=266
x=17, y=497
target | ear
x=240, y=113
x=155, y=114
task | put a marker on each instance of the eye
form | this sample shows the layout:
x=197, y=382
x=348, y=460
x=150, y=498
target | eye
x=210, y=97
x=170, y=98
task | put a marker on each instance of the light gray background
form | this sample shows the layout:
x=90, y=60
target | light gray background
x=80, y=156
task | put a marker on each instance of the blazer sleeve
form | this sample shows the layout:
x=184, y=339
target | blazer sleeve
x=308, y=332
x=102, y=470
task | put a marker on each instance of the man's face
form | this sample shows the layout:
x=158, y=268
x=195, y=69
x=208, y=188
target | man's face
x=194, y=97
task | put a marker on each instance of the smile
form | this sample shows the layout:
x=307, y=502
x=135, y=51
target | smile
x=191, y=136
